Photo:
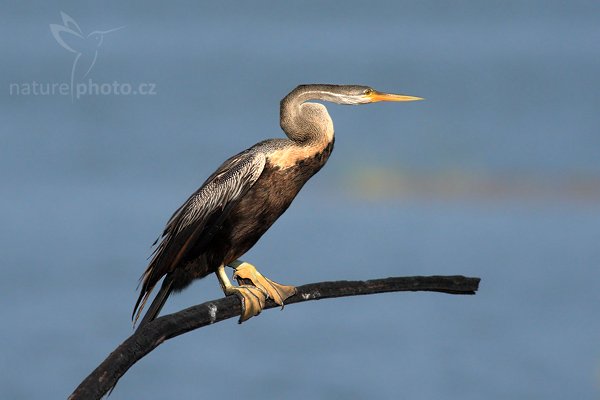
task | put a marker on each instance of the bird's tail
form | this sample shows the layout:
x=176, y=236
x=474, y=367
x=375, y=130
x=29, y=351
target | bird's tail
x=153, y=310
x=158, y=302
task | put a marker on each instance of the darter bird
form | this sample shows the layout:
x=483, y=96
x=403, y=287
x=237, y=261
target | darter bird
x=240, y=201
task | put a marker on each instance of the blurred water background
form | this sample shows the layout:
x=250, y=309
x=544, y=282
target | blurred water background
x=496, y=174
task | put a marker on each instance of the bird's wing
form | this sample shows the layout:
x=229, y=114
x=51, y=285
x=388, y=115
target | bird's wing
x=199, y=217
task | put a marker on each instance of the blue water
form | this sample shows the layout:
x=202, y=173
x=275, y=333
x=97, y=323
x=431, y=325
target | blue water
x=495, y=175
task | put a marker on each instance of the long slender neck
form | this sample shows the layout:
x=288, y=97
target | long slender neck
x=307, y=123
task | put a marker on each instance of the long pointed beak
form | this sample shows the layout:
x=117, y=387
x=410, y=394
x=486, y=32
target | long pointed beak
x=111, y=30
x=379, y=96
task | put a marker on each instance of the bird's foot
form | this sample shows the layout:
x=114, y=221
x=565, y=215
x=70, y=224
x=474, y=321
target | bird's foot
x=252, y=298
x=247, y=275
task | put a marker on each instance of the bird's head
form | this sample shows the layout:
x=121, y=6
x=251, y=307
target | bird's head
x=299, y=115
x=341, y=94
x=357, y=94
x=97, y=37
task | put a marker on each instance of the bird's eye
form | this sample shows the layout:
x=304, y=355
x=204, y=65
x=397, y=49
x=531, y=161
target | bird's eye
x=368, y=92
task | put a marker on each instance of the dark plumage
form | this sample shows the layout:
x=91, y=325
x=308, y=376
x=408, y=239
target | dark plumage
x=240, y=201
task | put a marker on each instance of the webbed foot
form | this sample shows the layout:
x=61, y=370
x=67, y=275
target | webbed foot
x=254, y=289
x=252, y=298
x=246, y=273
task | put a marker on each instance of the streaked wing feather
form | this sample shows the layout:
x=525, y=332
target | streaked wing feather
x=197, y=219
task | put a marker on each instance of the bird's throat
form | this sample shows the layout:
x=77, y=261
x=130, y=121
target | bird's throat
x=295, y=154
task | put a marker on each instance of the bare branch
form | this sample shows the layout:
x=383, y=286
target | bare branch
x=147, y=338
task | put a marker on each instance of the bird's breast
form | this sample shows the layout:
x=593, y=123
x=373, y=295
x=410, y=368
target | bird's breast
x=285, y=173
x=269, y=198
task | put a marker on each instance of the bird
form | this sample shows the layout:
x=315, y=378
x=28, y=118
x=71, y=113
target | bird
x=241, y=200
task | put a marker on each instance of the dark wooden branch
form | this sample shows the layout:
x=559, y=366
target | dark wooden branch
x=147, y=338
